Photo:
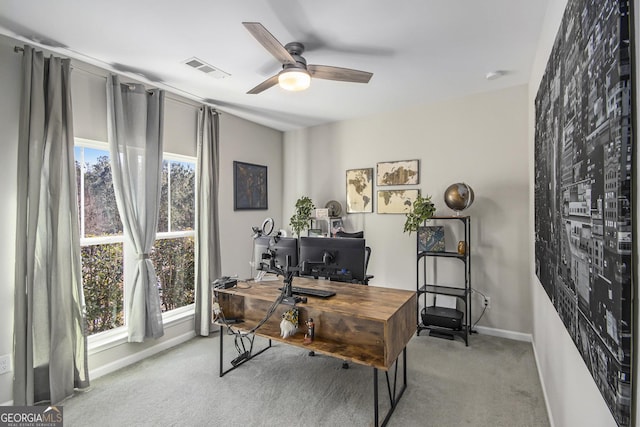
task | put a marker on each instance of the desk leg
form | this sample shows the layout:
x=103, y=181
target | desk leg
x=393, y=397
x=222, y=371
x=221, y=350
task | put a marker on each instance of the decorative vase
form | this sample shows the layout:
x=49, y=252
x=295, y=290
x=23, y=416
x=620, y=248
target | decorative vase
x=462, y=247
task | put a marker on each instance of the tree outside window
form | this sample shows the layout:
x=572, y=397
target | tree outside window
x=102, y=238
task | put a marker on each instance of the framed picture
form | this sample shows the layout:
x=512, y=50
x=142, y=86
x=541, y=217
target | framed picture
x=585, y=253
x=249, y=186
x=360, y=190
x=315, y=232
x=403, y=172
x=431, y=238
x=396, y=201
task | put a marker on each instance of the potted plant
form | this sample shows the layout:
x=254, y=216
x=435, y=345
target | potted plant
x=422, y=210
x=301, y=219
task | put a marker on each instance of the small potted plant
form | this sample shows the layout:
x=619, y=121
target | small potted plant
x=300, y=221
x=422, y=210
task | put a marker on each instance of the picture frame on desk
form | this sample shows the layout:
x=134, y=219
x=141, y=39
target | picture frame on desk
x=249, y=186
x=315, y=232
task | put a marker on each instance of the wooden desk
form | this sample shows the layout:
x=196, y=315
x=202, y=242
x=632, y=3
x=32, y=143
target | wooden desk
x=367, y=325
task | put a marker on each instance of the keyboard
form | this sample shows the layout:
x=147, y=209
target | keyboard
x=312, y=292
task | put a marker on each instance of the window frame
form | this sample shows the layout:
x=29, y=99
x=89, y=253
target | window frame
x=105, y=340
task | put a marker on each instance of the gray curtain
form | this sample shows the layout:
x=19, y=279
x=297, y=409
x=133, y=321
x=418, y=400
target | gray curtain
x=50, y=344
x=134, y=125
x=207, y=229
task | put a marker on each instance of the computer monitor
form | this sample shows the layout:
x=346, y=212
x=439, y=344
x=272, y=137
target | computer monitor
x=283, y=251
x=336, y=259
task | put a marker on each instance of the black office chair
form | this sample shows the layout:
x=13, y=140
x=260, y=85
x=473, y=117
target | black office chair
x=356, y=235
x=367, y=277
x=360, y=235
x=367, y=249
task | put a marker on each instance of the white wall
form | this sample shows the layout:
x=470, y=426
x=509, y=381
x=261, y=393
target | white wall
x=10, y=70
x=572, y=396
x=248, y=142
x=239, y=140
x=481, y=140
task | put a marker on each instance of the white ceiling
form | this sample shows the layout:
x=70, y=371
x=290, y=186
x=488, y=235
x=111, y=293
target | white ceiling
x=419, y=51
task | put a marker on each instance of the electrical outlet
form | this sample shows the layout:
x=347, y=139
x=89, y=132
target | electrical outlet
x=5, y=363
x=487, y=302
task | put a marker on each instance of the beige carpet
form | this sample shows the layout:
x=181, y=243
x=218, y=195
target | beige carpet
x=493, y=382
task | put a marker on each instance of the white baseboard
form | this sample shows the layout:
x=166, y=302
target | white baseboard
x=7, y=403
x=136, y=357
x=503, y=333
x=544, y=389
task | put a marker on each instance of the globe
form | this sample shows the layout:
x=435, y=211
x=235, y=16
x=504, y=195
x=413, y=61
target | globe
x=458, y=196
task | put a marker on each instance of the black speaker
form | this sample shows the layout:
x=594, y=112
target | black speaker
x=224, y=283
x=443, y=317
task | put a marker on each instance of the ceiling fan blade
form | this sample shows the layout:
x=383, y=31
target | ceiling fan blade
x=271, y=81
x=337, y=73
x=269, y=42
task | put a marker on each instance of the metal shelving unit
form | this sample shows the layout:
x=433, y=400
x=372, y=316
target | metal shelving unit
x=461, y=293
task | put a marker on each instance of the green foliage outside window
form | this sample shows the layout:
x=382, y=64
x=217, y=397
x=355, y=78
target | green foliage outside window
x=101, y=213
x=179, y=179
x=102, y=275
x=175, y=268
x=102, y=263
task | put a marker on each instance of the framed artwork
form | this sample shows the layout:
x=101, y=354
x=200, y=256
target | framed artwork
x=396, y=201
x=249, y=186
x=431, y=238
x=360, y=190
x=315, y=232
x=403, y=172
x=584, y=156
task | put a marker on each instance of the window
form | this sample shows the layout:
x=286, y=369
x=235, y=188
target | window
x=173, y=252
x=102, y=238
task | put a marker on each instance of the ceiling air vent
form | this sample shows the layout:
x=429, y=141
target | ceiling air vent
x=208, y=69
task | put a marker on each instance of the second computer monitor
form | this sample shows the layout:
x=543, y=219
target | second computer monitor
x=283, y=250
x=328, y=257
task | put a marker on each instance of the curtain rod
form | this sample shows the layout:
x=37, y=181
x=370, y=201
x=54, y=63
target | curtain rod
x=19, y=49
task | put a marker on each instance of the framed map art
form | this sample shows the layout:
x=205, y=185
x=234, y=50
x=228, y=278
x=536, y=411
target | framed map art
x=360, y=190
x=403, y=172
x=396, y=201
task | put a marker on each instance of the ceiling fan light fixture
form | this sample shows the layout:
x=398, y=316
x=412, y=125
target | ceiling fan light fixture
x=294, y=79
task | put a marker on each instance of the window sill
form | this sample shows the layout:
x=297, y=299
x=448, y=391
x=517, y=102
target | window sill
x=109, y=339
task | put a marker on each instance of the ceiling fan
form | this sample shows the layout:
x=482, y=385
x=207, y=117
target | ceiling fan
x=296, y=74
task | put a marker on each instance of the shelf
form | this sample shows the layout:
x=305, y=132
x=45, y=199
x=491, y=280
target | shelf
x=444, y=290
x=461, y=218
x=365, y=354
x=462, y=293
x=463, y=333
x=446, y=254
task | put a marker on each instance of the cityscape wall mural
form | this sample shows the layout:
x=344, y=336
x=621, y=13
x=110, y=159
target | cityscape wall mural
x=583, y=201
